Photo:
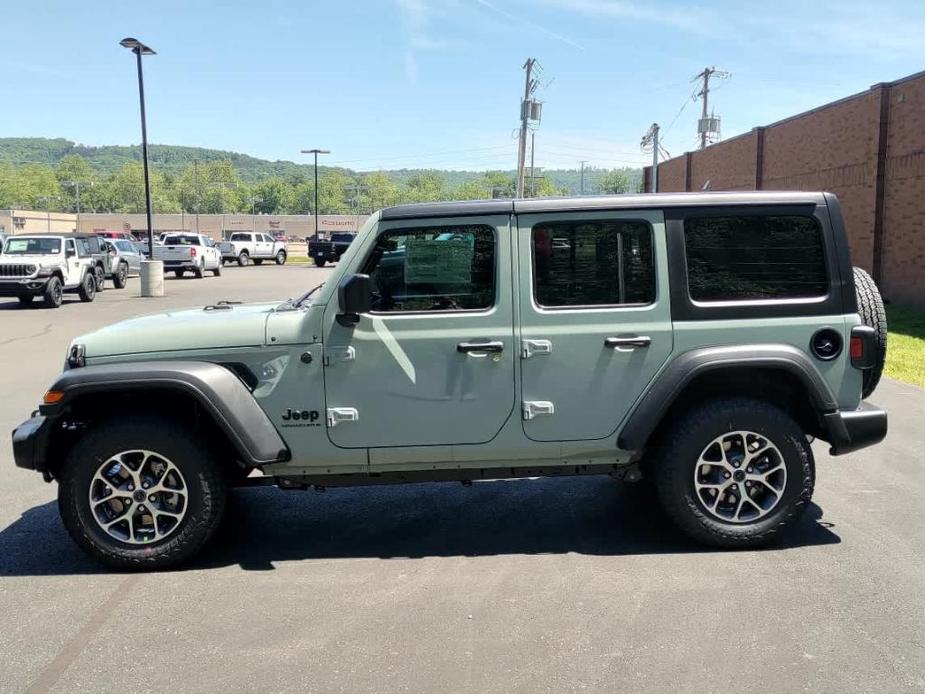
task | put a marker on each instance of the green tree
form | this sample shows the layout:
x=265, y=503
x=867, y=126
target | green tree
x=472, y=190
x=426, y=186
x=501, y=184
x=614, y=182
x=271, y=196
x=378, y=191
x=127, y=190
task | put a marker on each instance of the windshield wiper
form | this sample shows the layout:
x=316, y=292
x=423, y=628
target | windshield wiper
x=295, y=303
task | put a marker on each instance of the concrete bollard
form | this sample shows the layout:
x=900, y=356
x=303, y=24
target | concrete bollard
x=152, y=278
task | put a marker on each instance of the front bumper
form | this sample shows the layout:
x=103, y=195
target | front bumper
x=20, y=287
x=852, y=430
x=30, y=443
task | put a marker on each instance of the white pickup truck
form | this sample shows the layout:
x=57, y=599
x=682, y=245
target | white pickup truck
x=247, y=246
x=195, y=253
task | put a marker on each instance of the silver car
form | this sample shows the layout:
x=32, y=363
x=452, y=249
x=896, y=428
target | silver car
x=125, y=251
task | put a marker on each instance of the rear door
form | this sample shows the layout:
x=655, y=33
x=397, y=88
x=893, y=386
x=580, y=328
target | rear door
x=595, y=318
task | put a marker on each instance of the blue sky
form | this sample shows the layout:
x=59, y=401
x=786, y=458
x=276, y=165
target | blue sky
x=436, y=83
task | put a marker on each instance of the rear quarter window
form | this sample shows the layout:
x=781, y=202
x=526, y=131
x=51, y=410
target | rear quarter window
x=753, y=258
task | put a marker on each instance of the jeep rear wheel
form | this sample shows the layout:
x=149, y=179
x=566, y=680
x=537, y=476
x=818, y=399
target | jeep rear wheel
x=734, y=473
x=100, y=278
x=87, y=289
x=870, y=308
x=141, y=493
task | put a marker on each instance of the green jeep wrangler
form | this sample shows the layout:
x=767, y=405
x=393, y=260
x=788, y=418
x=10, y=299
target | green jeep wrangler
x=700, y=341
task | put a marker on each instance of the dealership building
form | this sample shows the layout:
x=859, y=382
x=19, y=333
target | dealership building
x=215, y=225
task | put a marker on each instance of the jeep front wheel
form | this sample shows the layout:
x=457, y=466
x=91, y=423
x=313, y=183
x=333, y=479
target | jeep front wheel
x=734, y=473
x=141, y=493
x=87, y=289
x=54, y=292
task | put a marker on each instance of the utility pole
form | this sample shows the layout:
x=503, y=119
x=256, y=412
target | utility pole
x=316, y=152
x=582, y=186
x=705, y=95
x=650, y=139
x=708, y=124
x=529, y=86
x=532, y=160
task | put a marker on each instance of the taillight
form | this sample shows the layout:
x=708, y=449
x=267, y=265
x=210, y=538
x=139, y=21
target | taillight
x=193, y=251
x=857, y=348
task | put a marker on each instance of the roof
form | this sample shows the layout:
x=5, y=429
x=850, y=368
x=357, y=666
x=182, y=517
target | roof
x=61, y=235
x=471, y=208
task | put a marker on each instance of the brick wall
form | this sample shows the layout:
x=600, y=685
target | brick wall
x=869, y=149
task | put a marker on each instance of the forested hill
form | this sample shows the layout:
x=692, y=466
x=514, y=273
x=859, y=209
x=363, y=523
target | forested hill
x=173, y=160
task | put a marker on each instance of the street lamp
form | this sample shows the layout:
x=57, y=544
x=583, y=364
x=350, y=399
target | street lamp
x=139, y=49
x=316, y=152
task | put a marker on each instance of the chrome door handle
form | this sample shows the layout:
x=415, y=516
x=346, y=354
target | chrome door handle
x=632, y=341
x=494, y=346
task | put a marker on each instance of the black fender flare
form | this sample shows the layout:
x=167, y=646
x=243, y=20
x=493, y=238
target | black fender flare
x=649, y=409
x=219, y=391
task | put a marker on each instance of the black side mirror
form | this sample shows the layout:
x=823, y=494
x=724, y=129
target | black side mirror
x=353, y=295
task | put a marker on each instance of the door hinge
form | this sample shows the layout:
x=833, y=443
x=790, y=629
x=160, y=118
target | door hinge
x=336, y=415
x=536, y=408
x=332, y=355
x=528, y=348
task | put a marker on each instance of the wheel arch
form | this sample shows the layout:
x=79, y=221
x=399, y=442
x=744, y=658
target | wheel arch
x=214, y=398
x=780, y=374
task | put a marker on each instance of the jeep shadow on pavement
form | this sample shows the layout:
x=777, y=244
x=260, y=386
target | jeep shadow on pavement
x=696, y=343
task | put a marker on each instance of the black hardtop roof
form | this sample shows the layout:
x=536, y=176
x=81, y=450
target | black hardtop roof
x=471, y=208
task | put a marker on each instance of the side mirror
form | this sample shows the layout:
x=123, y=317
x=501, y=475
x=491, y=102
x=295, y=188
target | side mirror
x=70, y=253
x=353, y=295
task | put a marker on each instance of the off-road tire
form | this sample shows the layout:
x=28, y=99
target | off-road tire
x=675, y=455
x=243, y=259
x=281, y=258
x=100, y=279
x=53, y=294
x=873, y=314
x=120, y=276
x=319, y=262
x=205, y=480
x=87, y=289
x=200, y=270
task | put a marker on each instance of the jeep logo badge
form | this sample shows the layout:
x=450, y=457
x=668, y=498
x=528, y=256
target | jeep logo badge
x=307, y=415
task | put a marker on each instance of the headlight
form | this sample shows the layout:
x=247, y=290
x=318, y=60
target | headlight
x=45, y=271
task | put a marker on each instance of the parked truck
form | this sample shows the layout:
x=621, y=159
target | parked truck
x=194, y=253
x=323, y=249
x=245, y=247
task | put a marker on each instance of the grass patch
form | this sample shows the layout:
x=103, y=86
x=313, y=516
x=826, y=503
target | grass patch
x=905, y=352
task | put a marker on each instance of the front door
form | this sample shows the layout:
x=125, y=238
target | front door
x=433, y=361
x=595, y=318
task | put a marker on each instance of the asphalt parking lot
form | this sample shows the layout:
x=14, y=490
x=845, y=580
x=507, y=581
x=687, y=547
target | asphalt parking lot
x=548, y=585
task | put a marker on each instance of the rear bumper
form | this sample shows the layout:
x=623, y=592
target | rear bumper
x=30, y=443
x=180, y=265
x=855, y=429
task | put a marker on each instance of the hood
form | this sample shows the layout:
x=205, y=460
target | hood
x=236, y=326
x=30, y=259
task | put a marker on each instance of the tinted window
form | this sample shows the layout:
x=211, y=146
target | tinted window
x=433, y=269
x=86, y=247
x=593, y=263
x=181, y=241
x=240, y=237
x=753, y=258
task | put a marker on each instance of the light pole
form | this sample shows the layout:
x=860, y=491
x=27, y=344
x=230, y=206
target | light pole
x=316, y=152
x=152, y=280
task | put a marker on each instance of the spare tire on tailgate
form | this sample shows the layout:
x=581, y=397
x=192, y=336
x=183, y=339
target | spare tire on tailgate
x=870, y=306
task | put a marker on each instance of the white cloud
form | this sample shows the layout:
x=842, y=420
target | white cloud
x=521, y=20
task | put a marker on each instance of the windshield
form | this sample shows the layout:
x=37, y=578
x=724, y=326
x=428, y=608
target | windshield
x=32, y=246
x=125, y=246
x=181, y=241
